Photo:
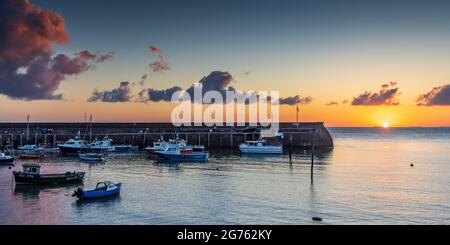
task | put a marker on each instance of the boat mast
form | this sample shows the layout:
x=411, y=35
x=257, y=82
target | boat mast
x=28, y=127
x=90, y=129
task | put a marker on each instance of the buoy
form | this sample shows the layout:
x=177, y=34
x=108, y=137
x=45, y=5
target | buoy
x=412, y=165
x=316, y=219
x=217, y=169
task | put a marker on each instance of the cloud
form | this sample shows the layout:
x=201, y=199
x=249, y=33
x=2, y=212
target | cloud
x=387, y=96
x=120, y=94
x=154, y=49
x=295, y=100
x=218, y=81
x=143, y=78
x=160, y=65
x=105, y=57
x=332, y=103
x=27, y=69
x=157, y=95
x=345, y=102
x=438, y=96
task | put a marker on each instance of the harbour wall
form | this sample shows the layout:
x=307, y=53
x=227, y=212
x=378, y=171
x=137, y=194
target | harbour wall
x=302, y=135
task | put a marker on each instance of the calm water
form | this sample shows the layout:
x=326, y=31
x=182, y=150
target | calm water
x=366, y=179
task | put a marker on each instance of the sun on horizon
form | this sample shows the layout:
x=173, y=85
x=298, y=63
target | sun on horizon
x=386, y=125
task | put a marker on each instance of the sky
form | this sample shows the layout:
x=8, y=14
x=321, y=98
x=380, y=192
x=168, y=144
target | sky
x=346, y=63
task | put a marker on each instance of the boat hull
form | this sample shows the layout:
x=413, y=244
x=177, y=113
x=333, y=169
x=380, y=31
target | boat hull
x=70, y=150
x=261, y=150
x=47, y=179
x=96, y=194
x=7, y=160
x=183, y=157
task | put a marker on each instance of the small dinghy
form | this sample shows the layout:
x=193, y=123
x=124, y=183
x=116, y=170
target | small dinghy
x=103, y=189
x=31, y=175
x=92, y=157
x=5, y=159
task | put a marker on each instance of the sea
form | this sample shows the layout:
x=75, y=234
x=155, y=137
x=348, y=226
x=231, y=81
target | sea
x=371, y=176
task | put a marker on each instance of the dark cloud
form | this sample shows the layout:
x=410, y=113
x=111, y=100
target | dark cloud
x=332, y=103
x=160, y=65
x=157, y=95
x=295, y=100
x=27, y=69
x=438, y=96
x=143, y=78
x=387, y=96
x=105, y=57
x=218, y=81
x=120, y=94
x=154, y=49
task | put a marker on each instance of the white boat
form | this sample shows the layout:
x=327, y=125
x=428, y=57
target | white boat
x=260, y=147
x=30, y=148
x=123, y=148
x=102, y=145
x=92, y=157
x=161, y=145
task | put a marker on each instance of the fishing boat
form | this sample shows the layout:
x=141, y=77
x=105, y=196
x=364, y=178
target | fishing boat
x=158, y=145
x=172, y=152
x=92, y=157
x=103, y=189
x=73, y=146
x=6, y=159
x=260, y=147
x=102, y=145
x=30, y=148
x=31, y=175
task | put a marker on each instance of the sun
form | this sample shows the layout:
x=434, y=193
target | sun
x=386, y=125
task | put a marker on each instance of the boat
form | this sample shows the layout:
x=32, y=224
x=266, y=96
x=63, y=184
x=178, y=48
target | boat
x=198, y=148
x=173, y=152
x=30, y=148
x=103, y=189
x=6, y=159
x=73, y=146
x=102, y=145
x=158, y=145
x=92, y=157
x=31, y=175
x=260, y=147
x=123, y=148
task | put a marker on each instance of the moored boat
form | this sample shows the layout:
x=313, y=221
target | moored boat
x=31, y=175
x=123, y=148
x=172, y=152
x=6, y=159
x=73, y=146
x=103, y=189
x=31, y=156
x=92, y=157
x=30, y=148
x=102, y=145
x=260, y=147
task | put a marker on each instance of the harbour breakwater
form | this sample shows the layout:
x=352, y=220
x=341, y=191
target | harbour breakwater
x=302, y=135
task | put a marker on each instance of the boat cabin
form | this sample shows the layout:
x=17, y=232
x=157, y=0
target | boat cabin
x=31, y=169
x=255, y=143
x=103, y=185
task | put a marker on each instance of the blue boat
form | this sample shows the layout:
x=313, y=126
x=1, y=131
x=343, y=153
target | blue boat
x=172, y=152
x=103, y=189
